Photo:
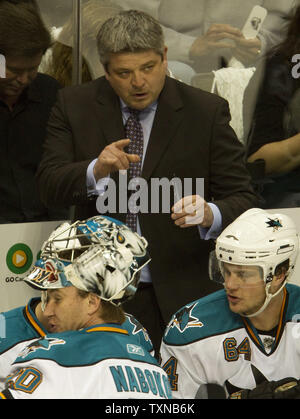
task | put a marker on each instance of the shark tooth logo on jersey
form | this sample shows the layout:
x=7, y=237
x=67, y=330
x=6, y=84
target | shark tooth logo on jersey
x=138, y=327
x=45, y=343
x=184, y=319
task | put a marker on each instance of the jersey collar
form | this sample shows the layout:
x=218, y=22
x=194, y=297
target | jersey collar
x=32, y=320
x=252, y=332
x=110, y=327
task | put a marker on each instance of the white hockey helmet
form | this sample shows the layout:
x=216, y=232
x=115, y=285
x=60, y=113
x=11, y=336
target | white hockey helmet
x=99, y=255
x=256, y=238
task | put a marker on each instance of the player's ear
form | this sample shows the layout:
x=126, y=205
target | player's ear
x=279, y=278
x=93, y=303
x=281, y=273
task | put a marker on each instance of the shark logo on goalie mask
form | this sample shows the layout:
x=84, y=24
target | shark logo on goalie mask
x=48, y=273
x=119, y=235
x=99, y=227
x=184, y=319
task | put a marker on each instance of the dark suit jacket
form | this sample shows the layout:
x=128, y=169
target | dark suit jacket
x=190, y=138
x=22, y=133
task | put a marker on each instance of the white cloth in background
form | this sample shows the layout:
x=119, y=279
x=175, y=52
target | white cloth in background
x=47, y=57
x=230, y=83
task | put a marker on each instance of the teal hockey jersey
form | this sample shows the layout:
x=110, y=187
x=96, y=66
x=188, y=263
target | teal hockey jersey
x=20, y=326
x=102, y=361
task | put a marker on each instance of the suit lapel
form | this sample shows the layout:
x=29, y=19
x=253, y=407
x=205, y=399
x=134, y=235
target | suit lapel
x=167, y=118
x=109, y=115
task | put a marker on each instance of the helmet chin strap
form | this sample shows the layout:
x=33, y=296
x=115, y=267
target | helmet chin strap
x=269, y=297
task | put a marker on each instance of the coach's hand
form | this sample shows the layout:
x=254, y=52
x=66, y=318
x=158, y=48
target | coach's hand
x=114, y=158
x=192, y=210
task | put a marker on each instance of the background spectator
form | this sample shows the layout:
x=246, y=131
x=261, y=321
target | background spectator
x=26, y=98
x=275, y=130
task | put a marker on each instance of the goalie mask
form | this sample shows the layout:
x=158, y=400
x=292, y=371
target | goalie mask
x=100, y=255
x=109, y=271
x=68, y=241
x=257, y=238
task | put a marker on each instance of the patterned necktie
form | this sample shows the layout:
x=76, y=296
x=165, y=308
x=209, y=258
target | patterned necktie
x=134, y=131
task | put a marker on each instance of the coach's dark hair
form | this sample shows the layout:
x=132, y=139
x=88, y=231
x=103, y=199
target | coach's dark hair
x=129, y=31
x=22, y=30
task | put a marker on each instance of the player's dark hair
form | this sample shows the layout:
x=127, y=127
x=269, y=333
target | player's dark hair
x=22, y=31
x=283, y=267
x=107, y=311
x=111, y=313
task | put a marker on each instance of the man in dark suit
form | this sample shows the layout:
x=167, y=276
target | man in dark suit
x=186, y=134
x=26, y=98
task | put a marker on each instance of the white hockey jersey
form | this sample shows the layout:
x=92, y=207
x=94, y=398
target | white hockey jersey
x=99, y=362
x=206, y=343
x=21, y=326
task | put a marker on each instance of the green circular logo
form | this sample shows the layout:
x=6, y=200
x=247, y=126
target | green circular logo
x=19, y=258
